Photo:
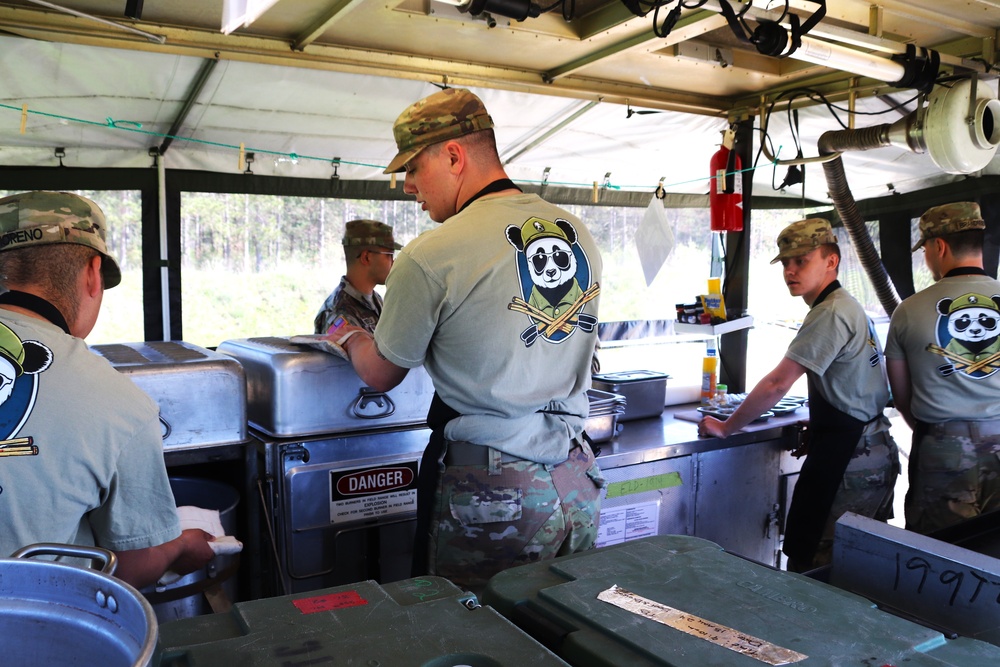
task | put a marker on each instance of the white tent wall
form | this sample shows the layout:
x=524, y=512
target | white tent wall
x=296, y=121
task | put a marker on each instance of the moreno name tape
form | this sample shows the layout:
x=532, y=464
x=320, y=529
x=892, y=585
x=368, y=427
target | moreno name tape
x=734, y=640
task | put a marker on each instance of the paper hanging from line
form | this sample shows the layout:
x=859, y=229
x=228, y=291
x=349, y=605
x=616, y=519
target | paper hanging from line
x=654, y=239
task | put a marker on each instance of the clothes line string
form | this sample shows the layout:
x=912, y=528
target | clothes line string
x=136, y=127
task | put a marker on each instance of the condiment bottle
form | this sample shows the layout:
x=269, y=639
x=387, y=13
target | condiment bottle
x=708, y=369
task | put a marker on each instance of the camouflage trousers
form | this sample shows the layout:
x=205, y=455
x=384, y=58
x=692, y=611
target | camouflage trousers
x=867, y=488
x=490, y=517
x=954, y=474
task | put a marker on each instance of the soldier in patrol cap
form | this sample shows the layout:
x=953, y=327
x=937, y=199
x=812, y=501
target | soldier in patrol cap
x=506, y=330
x=369, y=248
x=851, y=460
x=81, y=460
x=943, y=354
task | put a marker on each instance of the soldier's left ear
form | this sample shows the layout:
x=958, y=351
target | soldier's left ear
x=835, y=258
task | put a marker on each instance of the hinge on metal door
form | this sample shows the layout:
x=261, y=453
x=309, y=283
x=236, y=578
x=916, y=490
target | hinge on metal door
x=772, y=520
x=295, y=453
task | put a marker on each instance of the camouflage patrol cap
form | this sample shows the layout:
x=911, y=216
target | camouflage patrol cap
x=802, y=236
x=42, y=217
x=449, y=114
x=948, y=219
x=369, y=232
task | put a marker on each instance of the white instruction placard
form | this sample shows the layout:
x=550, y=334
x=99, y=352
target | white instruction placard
x=628, y=522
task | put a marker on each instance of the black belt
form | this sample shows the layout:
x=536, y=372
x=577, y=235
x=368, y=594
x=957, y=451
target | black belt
x=460, y=453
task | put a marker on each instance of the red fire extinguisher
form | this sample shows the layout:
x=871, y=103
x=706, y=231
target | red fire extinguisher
x=725, y=195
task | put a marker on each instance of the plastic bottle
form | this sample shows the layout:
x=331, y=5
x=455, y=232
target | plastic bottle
x=721, y=397
x=708, y=370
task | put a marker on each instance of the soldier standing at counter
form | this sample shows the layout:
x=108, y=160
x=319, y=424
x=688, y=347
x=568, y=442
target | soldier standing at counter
x=499, y=304
x=851, y=463
x=81, y=457
x=943, y=358
x=368, y=251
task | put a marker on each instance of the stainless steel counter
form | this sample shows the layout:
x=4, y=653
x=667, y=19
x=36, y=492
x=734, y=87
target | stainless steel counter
x=664, y=479
x=666, y=437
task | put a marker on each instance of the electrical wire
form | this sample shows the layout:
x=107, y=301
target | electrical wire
x=816, y=96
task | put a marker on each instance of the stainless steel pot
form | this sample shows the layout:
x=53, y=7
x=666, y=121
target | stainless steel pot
x=57, y=614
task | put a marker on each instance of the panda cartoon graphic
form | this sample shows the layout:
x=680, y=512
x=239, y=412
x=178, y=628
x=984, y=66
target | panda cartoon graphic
x=967, y=335
x=554, y=275
x=20, y=364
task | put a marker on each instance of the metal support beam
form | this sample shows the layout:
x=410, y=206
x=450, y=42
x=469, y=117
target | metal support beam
x=549, y=133
x=273, y=51
x=688, y=27
x=337, y=11
x=206, y=70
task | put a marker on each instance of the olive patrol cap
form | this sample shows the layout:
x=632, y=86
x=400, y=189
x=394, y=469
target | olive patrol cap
x=972, y=300
x=12, y=349
x=536, y=228
x=449, y=114
x=949, y=219
x=803, y=236
x=369, y=232
x=42, y=218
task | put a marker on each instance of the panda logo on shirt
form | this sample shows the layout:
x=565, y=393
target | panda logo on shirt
x=20, y=363
x=968, y=335
x=554, y=275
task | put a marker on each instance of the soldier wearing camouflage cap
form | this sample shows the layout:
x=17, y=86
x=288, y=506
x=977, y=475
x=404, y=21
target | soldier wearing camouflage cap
x=949, y=219
x=503, y=318
x=852, y=461
x=369, y=248
x=83, y=451
x=800, y=237
x=943, y=358
x=39, y=218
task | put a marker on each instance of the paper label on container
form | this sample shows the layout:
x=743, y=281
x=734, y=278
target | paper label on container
x=375, y=492
x=318, y=603
x=630, y=522
x=702, y=628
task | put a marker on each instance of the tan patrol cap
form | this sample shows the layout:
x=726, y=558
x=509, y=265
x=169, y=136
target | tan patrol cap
x=802, y=236
x=449, y=114
x=369, y=232
x=42, y=217
x=949, y=219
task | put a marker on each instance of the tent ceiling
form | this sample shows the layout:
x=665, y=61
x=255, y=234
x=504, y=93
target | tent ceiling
x=314, y=80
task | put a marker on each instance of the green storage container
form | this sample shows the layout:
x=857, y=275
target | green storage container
x=684, y=602
x=421, y=622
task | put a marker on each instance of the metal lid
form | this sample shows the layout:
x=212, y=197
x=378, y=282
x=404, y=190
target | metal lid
x=631, y=376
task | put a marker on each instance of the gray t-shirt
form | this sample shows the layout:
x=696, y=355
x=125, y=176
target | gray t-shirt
x=504, y=332
x=948, y=336
x=841, y=353
x=93, y=471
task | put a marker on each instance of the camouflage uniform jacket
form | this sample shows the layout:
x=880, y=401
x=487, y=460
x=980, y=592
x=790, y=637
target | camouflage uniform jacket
x=357, y=308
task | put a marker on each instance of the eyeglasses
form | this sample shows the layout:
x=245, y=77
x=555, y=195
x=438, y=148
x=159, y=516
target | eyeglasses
x=378, y=252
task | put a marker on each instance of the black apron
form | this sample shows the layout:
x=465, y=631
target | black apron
x=438, y=416
x=834, y=436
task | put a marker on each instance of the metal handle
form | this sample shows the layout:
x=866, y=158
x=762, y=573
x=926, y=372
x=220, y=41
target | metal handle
x=167, y=430
x=368, y=396
x=108, y=560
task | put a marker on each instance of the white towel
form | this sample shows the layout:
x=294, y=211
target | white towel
x=320, y=342
x=209, y=521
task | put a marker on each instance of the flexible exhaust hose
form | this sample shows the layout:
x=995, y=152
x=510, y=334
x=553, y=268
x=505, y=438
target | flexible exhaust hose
x=836, y=180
